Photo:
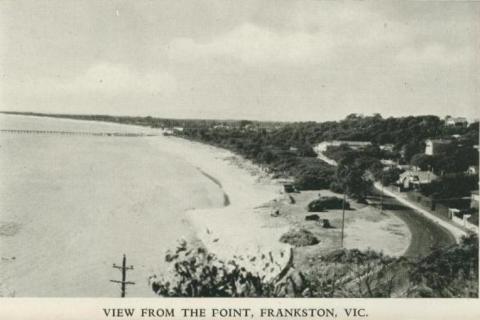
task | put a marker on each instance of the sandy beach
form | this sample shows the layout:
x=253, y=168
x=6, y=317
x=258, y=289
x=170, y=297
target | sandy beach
x=242, y=228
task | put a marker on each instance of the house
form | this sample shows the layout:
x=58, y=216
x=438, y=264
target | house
x=167, y=132
x=454, y=212
x=474, y=199
x=406, y=167
x=472, y=170
x=388, y=162
x=221, y=126
x=436, y=146
x=172, y=131
x=456, y=122
x=249, y=127
x=177, y=129
x=387, y=147
x=414, y=179
x=356, y=145
x=464, y=218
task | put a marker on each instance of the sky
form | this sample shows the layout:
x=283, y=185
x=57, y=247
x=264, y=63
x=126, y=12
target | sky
x=265, y=60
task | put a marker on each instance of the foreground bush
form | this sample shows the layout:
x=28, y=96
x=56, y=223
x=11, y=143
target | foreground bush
x=326, y=203
x=447, y=272
x=196, y=273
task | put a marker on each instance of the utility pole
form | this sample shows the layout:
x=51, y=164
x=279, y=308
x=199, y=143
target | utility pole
x=346, y=175
x=343, y=212
x=381, y=195
x=124, y=269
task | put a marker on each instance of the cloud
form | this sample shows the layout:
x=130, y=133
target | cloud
x=311, y=41
x=253, y=45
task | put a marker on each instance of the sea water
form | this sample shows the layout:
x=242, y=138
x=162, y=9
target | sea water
x=71, y=206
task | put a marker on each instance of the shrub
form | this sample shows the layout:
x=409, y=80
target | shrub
x=312, y=217
x=325, y=203
x=299, y=238
x=336, y=187
x=196, y=273
x=447, y=272
x=391, y=176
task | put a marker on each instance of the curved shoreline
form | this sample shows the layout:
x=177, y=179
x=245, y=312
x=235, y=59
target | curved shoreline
x=226, y=198
x=237, y=230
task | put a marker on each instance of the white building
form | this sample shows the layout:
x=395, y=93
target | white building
x=436, y=146
x=387, y=147
x=413, y=179
x=336, y=143
x=456, y=122
x=472, y=170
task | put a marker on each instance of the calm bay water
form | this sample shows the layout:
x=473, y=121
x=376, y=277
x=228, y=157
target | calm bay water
x=70, y=206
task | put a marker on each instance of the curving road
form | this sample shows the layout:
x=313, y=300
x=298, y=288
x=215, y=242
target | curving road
x=426, y=234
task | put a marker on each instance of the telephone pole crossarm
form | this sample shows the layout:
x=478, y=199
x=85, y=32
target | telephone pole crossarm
x=121, y=267
x=122, y=282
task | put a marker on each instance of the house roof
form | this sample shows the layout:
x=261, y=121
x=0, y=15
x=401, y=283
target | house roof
x=440, y=141
x=348, y=142
x=458, y=119
x=421, y=176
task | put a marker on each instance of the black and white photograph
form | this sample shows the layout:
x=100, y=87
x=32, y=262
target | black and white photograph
x=239, y=149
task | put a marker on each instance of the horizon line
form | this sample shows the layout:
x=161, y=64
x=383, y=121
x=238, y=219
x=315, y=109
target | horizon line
x=469, y=119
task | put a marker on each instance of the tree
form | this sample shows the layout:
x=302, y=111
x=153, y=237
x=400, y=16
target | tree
x=306, y=150
x=351, y=175
x=410, y=149
x=456, y=160
x=267, y=156
x=314, y=178
x=391, y=176
x=422, y=161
